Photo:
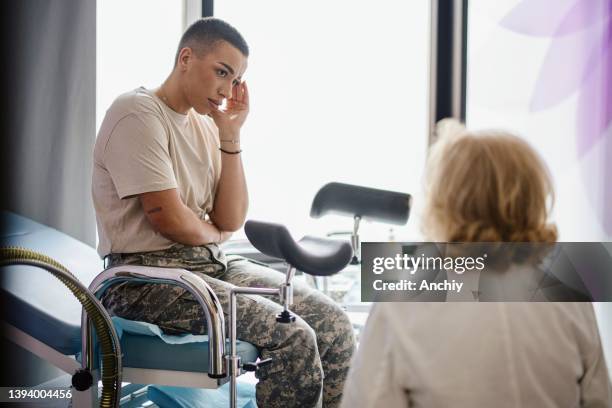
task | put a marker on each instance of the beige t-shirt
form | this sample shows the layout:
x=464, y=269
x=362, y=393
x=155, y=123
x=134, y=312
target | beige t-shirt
x=144, y=146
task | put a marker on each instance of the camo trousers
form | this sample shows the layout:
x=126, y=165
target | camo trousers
x=309, y=356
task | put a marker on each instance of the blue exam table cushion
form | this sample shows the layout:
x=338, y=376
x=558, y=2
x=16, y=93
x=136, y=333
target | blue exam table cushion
x=144, y=345
x=39, y=304
x=148, y=329
x=179, y=397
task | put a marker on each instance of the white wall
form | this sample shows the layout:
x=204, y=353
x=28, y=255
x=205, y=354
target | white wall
x=136, y=44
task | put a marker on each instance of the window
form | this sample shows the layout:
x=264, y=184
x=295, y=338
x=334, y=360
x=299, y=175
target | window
x=136, y=43
x=543, y=70
x=339, y=92
x=548, y=79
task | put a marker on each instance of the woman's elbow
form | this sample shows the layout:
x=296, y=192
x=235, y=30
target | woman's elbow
x=230, y=222
x=169, y=227
x=230, y=225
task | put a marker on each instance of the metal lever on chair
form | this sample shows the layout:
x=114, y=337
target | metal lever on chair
x=256, y=365
x=286, y=298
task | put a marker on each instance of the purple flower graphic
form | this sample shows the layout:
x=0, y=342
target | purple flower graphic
x=579, y=59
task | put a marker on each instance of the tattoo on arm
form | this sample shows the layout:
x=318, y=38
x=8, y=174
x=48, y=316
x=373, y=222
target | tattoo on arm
x=154, y=210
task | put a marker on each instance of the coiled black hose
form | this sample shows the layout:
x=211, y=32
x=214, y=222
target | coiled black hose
x=109, y=345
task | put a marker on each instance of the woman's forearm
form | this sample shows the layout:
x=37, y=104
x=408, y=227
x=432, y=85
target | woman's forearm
x=177, y=222
x=231, y=199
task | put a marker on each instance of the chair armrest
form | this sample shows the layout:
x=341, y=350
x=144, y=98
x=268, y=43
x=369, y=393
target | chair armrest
x=200, y=290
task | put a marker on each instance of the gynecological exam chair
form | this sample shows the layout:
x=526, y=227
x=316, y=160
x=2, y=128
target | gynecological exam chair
x=41, y=266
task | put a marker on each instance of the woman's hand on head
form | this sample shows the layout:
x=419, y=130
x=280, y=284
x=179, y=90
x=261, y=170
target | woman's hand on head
x=230, y=120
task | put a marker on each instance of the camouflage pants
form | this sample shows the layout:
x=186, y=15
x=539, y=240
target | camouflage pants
x=309, y=356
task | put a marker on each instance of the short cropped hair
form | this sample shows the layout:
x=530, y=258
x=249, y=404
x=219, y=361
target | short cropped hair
x=488, y=186
x=206, y=32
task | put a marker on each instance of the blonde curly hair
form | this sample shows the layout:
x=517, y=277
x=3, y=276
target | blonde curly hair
x=488, y=186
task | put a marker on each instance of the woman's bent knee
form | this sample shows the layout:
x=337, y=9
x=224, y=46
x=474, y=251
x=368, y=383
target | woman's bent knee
x=295, y=377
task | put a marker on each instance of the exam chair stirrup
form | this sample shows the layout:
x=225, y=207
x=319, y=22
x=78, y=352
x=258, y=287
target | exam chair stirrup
x=315, y=256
